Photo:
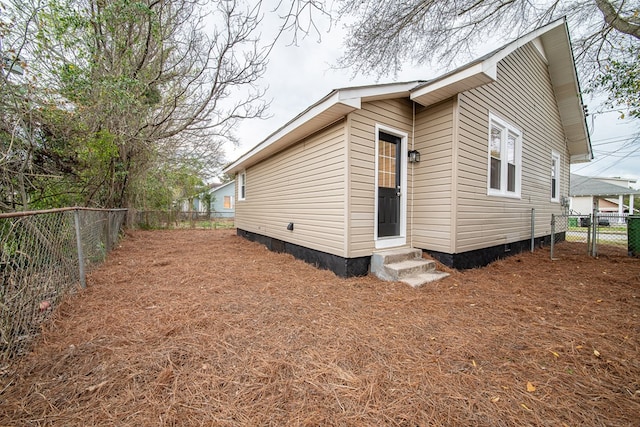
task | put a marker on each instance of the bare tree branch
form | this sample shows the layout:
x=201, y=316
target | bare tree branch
x=614, y=17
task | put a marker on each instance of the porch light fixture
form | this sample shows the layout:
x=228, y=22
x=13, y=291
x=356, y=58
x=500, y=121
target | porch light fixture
x=414, y=156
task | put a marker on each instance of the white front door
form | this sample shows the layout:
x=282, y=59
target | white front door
x=390, y=185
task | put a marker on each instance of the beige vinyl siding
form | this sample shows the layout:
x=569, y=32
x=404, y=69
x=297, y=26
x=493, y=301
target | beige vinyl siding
x=396, y=114
x=522, y=96
x=432, y=178
x=304, y=184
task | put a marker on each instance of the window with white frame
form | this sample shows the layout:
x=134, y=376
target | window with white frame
x=555, y=176
x=242, y=186
x=505, y=158
x=228, y=202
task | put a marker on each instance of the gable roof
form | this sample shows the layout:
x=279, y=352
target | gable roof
x=591, y=186
x=554, y=44
x=219, y=187
x=551, y=40
x=328, y=110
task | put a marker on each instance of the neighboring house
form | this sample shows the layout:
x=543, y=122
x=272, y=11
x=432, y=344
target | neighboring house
x=219, y=203
x=494, y=138
x=197, y=203
x=223, y=200
x=606, y=195
x=189, y=205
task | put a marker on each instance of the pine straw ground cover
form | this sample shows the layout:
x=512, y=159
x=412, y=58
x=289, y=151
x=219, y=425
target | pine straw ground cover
x=201, y=327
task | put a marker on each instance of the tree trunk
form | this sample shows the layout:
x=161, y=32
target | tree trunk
x=616, y=21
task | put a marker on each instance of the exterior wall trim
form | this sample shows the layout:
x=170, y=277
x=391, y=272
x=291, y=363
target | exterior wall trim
x=381, y=243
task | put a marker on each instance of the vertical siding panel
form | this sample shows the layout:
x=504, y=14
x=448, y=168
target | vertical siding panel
x=397, y=114
x=432, y=178
x=303, y=184
x=522, y=95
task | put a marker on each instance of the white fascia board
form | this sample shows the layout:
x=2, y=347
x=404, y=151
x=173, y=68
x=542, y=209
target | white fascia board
x=382, y=91
x=233, y=181
x=303, y=118
x=580, y=158
x=564, y=79
x=351, y=98
x=484, y=69
x=530, y=37
x=466, y=73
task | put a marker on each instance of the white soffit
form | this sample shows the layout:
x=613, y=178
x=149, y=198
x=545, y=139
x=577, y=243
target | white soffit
x=552, y=42
x=443, y=88
x=329, y=109
x=477, y=73
x=564, y=78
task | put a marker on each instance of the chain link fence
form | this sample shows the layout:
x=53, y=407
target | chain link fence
x=179, y=219
x=589, y=234
x=44, y=255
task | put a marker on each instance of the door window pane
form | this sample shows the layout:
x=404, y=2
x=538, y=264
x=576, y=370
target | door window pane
x=386, y=164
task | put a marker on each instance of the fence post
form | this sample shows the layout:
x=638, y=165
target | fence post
x=589, y=236
x=76, y=217
x=553, y=232
x=594, y=237
x=109, y=243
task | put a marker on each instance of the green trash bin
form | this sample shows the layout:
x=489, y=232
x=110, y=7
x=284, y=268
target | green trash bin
x=633, y=235
x=573, y=222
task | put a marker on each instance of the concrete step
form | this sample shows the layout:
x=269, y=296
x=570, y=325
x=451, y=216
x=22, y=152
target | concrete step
x=391, y=256
x=399, y=270
x=405, y=265
x=423, y=278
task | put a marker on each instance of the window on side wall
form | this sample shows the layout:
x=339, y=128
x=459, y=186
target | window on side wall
x=242, y=186
x=555, y=176
x=228, y=202
x=505, y=158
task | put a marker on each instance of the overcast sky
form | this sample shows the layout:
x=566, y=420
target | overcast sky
x=298, y=76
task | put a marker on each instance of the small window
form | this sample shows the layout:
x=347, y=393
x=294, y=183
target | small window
x=228, y=202
x=555, y=177
x=242, y=186
x=505, y=151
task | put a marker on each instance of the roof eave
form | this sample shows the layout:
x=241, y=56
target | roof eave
x=557, y=48
x=476, y=73
x=465, y=79
x=328, y=110
x=564, y=79
x=221, y=186
x=580, y=158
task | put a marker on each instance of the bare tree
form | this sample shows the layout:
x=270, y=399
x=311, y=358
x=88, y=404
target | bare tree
x=386, y=34
x=18, y=145
x=129, y=85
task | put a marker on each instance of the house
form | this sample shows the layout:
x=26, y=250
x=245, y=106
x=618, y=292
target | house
x=459, y=166
x=222, y=200
x=198, y=203
x=606, y=195
x=217, y=200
